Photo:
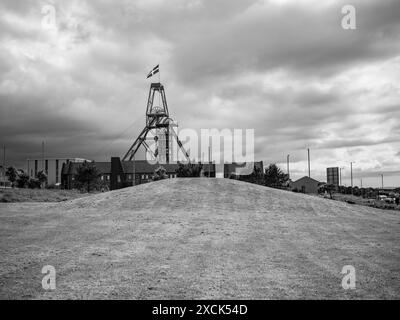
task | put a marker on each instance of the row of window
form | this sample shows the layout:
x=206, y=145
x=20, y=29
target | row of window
x=130, y=176
x=149, y=176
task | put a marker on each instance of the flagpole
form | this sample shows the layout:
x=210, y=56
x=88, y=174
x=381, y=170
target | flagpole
x=159, y=81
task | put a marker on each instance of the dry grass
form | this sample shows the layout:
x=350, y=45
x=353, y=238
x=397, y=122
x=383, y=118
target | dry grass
x=199, y=238
x=38, y=195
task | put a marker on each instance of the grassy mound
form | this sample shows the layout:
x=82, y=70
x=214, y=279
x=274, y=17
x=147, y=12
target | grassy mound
x=199, y=238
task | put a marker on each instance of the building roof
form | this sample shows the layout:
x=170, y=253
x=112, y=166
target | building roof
x=303, y=179
x=143, y=166
x=61, y=158
x=138, y=166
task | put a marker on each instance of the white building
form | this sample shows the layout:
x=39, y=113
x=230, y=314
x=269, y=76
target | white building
x=51, y=166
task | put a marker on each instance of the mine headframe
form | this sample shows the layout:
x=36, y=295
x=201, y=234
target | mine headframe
x=156, y=112
x=157, y=121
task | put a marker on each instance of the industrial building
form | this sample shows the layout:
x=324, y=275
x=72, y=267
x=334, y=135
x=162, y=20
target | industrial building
x=118, y=174
x=51, y=166
x=305, y=185
x=132, y=173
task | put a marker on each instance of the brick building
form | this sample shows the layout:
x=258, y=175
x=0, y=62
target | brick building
x=305, y=185
x=117, y=174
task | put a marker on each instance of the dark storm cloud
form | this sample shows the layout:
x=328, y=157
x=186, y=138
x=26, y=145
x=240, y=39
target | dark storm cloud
x=299, y=37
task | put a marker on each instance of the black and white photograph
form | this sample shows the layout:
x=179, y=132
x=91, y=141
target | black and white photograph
x=207, y=152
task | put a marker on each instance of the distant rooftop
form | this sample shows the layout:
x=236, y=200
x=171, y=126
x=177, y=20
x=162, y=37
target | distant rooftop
x=61, y=158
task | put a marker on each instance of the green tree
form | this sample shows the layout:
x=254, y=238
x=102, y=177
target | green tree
x=274, y=177
x=34, y=184
x=23, y=179
x=42, y=177
x=159, y=174
x=328, y=188
x=189, y=170
x=87, y=176
x=256, y=176
x=12, y=175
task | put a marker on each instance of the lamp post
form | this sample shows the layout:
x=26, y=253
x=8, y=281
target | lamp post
x=209, y=161
x=351, y=173
x=287, y=160
x=4, y=166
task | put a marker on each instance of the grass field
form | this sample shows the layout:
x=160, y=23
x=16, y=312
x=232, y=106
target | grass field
x=38, y=195
x=198, y=238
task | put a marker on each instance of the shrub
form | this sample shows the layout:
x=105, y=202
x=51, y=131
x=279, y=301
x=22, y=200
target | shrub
x=22, y=180
x=189, y=170
x=42, y=177
x=12, y=175
x=34, y=184
x=159, y=174
x=7, y=197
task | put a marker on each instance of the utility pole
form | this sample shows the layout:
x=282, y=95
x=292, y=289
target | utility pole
x=351, y=174
x=382, y=179
x=361, y=182
x=43, y=156
x=4, y=166
x=309, y=170
x=209, y=161
x=340, y=175
x=287, y=160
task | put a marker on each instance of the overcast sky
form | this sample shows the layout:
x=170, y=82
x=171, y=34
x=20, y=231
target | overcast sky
x=285, y=68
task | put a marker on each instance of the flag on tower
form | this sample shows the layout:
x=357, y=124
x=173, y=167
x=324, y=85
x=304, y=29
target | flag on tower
x=153, y=72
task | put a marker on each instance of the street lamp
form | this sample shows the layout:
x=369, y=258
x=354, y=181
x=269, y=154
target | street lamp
x=4, y=166
x=351, y=173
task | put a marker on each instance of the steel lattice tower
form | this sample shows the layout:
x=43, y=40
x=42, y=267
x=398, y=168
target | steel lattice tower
x=159, y=124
